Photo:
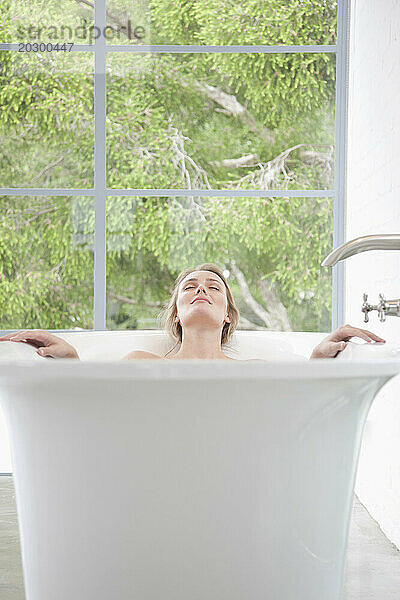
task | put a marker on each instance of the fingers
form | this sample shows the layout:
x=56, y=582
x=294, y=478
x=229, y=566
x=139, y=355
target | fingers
x=30, y=334
x=347, y=331
x=373, y=336
x=33, y=337
x=10, y=335
x=7, y=336
x=36, y=336
x=46, y=352
x=328, y=349
x=20, y=335
x=334, y=348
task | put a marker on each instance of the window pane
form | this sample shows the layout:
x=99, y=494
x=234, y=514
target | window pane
x=222, y=22
x=46, y=119
x=47, y=21
x=272, y=248
x=47, y=264
x=221, y=121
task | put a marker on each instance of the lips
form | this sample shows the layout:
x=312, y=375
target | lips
x=202, y=299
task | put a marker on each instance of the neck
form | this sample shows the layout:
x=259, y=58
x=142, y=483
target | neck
x=200, y=343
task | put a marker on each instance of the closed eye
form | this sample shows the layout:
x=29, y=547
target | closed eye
x=192, y=286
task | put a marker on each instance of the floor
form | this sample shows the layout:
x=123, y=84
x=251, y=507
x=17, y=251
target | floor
x=372, y=568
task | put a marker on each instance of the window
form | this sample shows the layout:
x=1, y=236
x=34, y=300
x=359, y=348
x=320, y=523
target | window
x=140, y=137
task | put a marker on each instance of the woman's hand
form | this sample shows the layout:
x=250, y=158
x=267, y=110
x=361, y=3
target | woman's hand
x=335, y=342
x=48, y=344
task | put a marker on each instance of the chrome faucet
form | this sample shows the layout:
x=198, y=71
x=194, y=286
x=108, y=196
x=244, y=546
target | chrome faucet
x=385, y=241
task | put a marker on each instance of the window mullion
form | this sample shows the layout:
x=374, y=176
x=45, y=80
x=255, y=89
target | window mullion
x=340, y=158
x=100, y=169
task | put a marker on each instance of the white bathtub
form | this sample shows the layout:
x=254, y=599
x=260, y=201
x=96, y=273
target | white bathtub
x=186, y=480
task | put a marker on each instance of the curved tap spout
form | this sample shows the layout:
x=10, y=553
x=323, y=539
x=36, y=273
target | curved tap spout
x=385, y=241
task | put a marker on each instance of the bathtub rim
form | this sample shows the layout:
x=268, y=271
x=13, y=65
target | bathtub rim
x=23, y=371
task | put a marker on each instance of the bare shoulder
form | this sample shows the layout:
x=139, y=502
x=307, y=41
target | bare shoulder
x=138, y=354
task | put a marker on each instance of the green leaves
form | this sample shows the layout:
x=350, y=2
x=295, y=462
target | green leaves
x=165, y=131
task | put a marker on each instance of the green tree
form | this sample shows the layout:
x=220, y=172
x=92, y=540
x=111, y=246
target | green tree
x=205, y=121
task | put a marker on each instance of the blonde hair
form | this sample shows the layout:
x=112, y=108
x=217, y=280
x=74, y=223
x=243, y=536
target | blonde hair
x=167, y=316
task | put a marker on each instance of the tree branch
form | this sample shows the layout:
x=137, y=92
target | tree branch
x=236, y=163
x=248, y=298
x=41, y=212
x=126, y=300
x=270, y=171
x=112, y=18
x=246, y=324
x=194, y=178
x=232, y=107
x=275, y=317
x=279, y=315
x=46, y=168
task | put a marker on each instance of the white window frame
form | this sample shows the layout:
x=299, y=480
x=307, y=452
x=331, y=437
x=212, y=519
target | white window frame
x=100, y=191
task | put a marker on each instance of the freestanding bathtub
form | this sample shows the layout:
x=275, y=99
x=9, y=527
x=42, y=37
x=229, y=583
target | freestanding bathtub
x=186, y=480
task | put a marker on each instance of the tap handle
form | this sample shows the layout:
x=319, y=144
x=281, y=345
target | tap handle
x=382, y=308
x=385, y=308
x=366, y=308
x=365, y=304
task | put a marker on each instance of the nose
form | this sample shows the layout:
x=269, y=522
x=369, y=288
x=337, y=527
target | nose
x=199, y=288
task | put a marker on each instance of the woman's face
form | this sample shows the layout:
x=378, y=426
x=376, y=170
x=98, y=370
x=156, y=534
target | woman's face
x=202, y=298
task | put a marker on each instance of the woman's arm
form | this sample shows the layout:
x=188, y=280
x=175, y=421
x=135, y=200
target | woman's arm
x=335, y=342
x=47, y=344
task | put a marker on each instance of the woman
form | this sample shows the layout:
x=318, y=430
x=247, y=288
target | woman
x=200, y=316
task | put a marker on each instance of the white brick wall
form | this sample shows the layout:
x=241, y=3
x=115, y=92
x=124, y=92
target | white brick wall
x=373, y=206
